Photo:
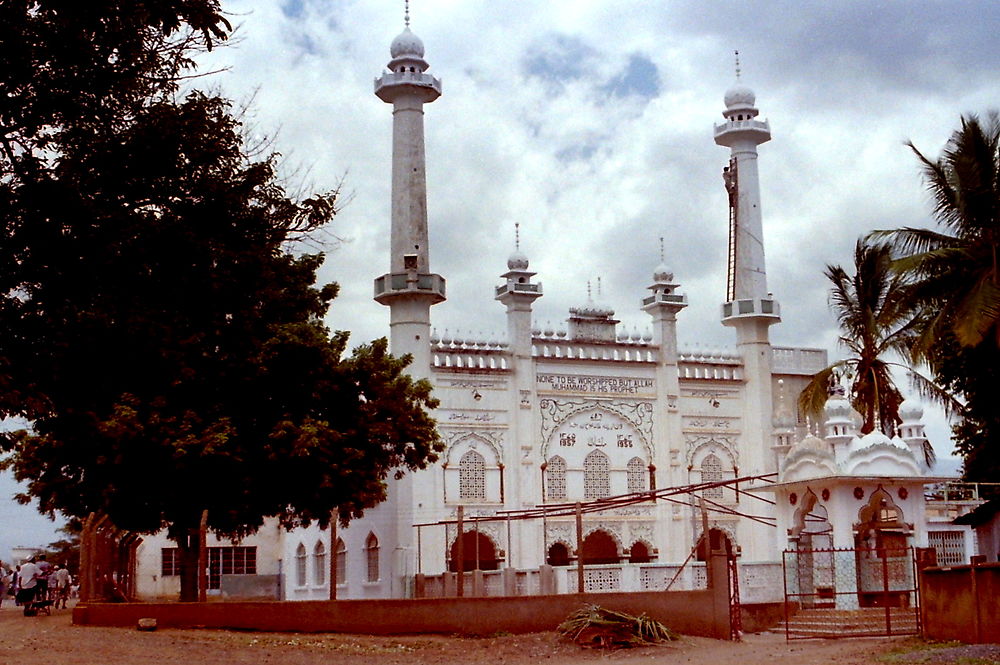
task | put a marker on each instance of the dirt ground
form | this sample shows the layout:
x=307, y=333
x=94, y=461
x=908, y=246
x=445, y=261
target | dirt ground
x=48, y=640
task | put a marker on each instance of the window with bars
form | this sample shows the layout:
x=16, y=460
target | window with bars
x=319, y=563
x=371, y=555
x=636, y=470
x=221, y=561
x=301, y=565
x=341, y=562
x=711, y=472
x=555, y=479
x=596, y=476
x=170, y=561
x=472, y=476
x=949, y=545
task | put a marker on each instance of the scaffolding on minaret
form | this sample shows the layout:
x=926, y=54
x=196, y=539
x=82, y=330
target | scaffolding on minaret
x=730, y=175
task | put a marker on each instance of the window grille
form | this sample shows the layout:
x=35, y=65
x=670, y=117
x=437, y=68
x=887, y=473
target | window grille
x=341, y=562
x=596, y=476
x=636, y=475
x=555, y=479
x=319, y=559
x=472, y=477
x=221, y=561
x=711, y=472
x=170, y=561
x=949, y=545
x=301, y=564
x=371, y=555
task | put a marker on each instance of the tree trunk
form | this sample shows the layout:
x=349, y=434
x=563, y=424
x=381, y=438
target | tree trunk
x=189, y=547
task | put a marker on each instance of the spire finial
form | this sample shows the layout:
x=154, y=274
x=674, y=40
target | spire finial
x=589, y=296
x=661, y=250
x=517, y=236
x=406, y=12
x=737, y=60
x=599, y=294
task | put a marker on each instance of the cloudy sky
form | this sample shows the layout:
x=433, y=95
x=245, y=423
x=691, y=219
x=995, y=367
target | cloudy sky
x=589, y=122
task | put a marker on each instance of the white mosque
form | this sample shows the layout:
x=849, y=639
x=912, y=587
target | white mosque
x=589, y=414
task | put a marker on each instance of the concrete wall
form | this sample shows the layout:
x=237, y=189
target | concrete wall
x=961, y=603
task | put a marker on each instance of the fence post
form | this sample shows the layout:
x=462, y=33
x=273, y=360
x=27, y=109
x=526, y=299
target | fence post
x=203, y=558
x=460, y=552
x=579, y=548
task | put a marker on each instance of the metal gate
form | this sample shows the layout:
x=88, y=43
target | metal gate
x=850, y=592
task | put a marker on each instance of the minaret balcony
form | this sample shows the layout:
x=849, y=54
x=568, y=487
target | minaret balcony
x=751, y=308
x=675, y=299
x=389, y=84
x=759, y=131
x=519, y=288
x=402, y=284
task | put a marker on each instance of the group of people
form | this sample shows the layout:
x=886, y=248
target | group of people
x=35, y=581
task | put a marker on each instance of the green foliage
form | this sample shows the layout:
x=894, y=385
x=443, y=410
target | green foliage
x=155, y=328
x=876, y=324
x=956, y=286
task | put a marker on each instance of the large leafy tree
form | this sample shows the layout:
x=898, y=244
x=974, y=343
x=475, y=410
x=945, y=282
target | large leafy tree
x=955, y=272
x=875, y=319
x=156, y=329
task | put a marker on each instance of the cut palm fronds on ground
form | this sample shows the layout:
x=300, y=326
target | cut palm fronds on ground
x=596, y=627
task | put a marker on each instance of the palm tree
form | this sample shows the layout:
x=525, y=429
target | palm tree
x=956, y=273
x=876, y=323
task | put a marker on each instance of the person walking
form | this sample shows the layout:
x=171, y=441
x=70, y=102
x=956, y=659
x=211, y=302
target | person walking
x=27, y=585
x=59, y=582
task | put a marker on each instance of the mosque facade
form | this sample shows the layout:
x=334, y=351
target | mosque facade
x=547, y=420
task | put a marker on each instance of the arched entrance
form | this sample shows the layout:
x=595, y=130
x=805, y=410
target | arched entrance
x=812, y=539
x=600, y=548
x=478, y=553
x=717, y=540
x=881, y=536
x=558, y=555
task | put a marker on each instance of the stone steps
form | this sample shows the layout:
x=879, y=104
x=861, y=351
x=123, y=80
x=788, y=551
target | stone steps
x=850, y=623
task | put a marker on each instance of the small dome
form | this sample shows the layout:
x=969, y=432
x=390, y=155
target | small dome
x=740, y=96
x=517, y=261
x=406, y=43
x=911, y=411
x=813, y=443
x=838, y=408
x=663, y=274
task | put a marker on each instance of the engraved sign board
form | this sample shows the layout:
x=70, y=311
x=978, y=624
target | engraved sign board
x=579, y=384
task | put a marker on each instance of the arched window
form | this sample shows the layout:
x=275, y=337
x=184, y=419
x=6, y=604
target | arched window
x=596, y=476
x=711, y=472
x=319, y=562
x=637, y=472
x=300, y=565
x=371, y=556
x=341, y=562
x=558, y=555
x=472, y=477
x=555, y=479
x=638, y=553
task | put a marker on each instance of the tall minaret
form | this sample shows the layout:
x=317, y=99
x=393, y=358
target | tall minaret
x=410, y=288
x=749, y=307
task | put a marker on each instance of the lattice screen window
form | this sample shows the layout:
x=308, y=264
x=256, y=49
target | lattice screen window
x=301, y=563
x=371, y=554
x=596, y=476
x=950, y=547
x=636, y=475
x=319, y=561
x=472, y=476
x=555, y=479
x=341, y=562
x=711, y=472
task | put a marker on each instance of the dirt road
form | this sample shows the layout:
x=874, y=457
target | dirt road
x=53, y=640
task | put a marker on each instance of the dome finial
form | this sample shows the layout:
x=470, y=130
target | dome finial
x=517, y=236
x=406, y=14
x=737, y=53
x=662, y=259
